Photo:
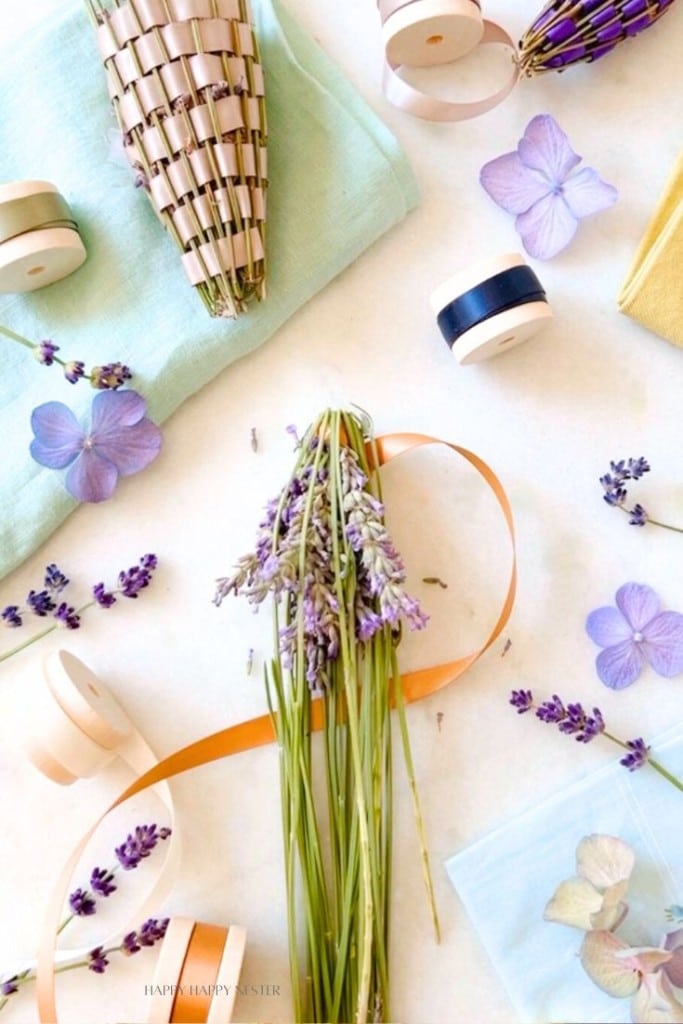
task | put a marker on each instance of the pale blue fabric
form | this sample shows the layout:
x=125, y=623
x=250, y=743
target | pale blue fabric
x=506, y=878
x=338, y=182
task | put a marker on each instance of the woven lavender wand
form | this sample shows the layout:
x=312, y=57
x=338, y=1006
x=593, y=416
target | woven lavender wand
x=574, y=31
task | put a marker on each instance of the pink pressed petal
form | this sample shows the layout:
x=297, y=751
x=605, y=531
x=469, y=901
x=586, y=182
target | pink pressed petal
x=130, y=449
x=545, y=148
x=547, y=227
x=112, y=410
x=663, y=643
x=58, y=435
x=674, y=968
x=91, y=478
x=607, y=627
x=619, y=666
x=604, y=860
x=512, y=185
x=638, y=604
x=655, y=1002
x=610, y=972
x=585, y=193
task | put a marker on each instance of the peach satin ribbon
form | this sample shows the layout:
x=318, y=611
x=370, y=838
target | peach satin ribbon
x=260, y=731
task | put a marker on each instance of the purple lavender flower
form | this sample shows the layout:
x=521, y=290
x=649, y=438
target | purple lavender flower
x=68, y=616
x=40, y=602
x=132, y=581
x=119, y=442
x=634, y=633
x=139, y=845
x=638, y=516
x=152, y=931
x=572, y=720
x=104, y=598
x=11, y=617
x=81, y=903
x=55, y=580
x=523, y=700
x=98, y=960
x=101, y=882
x=10, y=986
x=74, y=370
x=129, y=945
x=110, y=376
x=638, y=755
x=615, y=493
x=44, y=352
x=537, y=182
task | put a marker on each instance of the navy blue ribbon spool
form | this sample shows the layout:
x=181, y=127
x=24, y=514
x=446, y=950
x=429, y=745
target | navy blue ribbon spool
x=513, y=287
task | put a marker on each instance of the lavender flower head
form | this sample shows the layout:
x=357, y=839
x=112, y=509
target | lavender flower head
x=300, y=520
x=614, y=492
x=138, y=845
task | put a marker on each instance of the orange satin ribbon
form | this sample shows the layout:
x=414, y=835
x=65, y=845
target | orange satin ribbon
x=259, y=731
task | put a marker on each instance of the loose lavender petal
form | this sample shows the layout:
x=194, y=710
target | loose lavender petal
x=663, y=643
x=545, y=148
x=619, y=666
x=547, y=228
x=586, y=193
x=91, y=478
x=638, y=604
x=58, y=435
x=607, y=626
x=511, y=185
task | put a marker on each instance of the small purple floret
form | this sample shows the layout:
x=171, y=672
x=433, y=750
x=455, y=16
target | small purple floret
x=523, y=700
x=81, y=903
x=45, y=352
x=40, y=602
x=98, y=960
x=139, y=845
x=101, y=882
x=638, y=755
x=11, y=617
x=67, y=616
x=55, y=580
x=10, y=986
x=104, y=598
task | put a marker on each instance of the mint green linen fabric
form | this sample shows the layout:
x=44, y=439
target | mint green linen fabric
x=338, y=181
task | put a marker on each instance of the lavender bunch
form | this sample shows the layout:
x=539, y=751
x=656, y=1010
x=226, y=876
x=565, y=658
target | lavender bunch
x=570, y=32
x=47, y=603
x=324, y=557
x=136, y=847
x=104, y=378
x=574, y=720
x=615, y=494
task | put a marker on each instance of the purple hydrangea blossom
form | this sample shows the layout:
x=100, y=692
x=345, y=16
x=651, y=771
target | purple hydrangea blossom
x=538, y=183
x=120, y=441
x=634, y=633
x=638, y=755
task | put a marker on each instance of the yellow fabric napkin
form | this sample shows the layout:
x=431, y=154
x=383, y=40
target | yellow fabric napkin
x=652, y=293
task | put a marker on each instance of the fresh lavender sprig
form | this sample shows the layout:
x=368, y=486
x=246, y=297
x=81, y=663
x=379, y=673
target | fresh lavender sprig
x=97, y=960
x=104, y=378
x=615, y=494
x=574, y=720
x=82, y=902
x=45, y=603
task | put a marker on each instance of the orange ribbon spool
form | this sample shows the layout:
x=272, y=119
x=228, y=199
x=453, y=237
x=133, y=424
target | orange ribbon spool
x=259, y=731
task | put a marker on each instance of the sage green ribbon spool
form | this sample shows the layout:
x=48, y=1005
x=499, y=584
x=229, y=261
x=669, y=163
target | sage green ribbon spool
x=39, y=239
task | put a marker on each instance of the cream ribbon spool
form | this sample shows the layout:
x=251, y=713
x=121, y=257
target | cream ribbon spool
x=424, y=33
x=39, y=239
x=197, y=973
x=502, y=329
x=72, y=728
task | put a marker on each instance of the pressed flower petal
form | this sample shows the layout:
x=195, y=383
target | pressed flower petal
x=112, y=410
x=91, y=478
x=585, y=193
x=619, y=666
x=512, y=185
x=58, y=435
x=547, y=227
x=614, y=975
x=613, y=910
x=655, y=1002
x=663, y=643
x=607, y=627
x=131, y=448
x=638, y=604
x=604, y=860
x=545, y=148
x=646, y=958
x=573, y=903
x=674, y=968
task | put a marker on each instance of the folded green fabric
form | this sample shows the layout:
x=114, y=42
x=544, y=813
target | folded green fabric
x=338, y=181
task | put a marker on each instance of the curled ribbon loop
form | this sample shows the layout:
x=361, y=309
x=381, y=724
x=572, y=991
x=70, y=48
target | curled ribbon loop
x=424, y=33
x=259, y=731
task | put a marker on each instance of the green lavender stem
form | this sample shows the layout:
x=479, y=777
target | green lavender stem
x=39, y=636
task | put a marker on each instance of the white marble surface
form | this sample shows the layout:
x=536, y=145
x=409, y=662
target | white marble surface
x=547, y=416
